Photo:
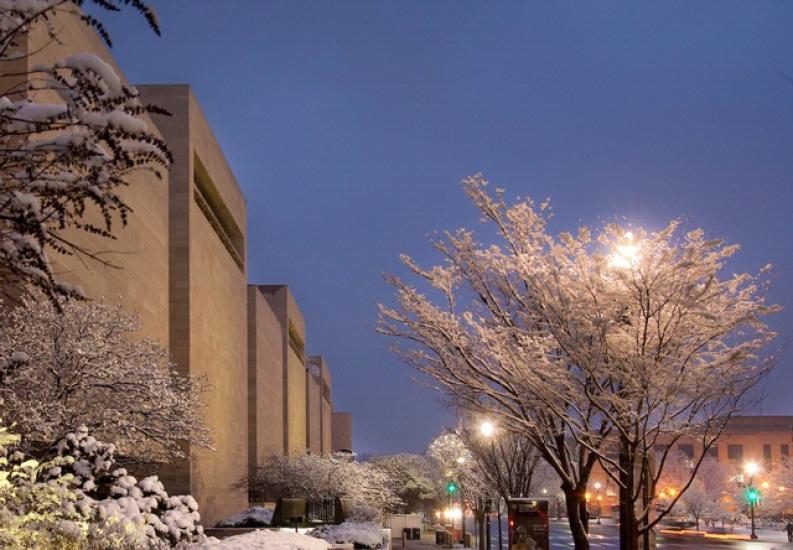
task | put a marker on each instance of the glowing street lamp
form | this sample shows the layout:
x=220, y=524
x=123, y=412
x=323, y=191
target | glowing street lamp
x=487, y=429
x=598, y=510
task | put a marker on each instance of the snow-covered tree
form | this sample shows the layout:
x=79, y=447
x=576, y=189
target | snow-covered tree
x=460, y=465
x=316, y=477
x=587, y=344
x=71, y=134
x=413, y=478
x=507, y=460
x=706, y=496
x=85, y=365
x=776, y=490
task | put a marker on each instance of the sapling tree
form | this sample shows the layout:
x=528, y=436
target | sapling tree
x=85, y=365
x=461, y=467
x=707, y=494
x=413, y=479
x=597, y=347
x=71, y=135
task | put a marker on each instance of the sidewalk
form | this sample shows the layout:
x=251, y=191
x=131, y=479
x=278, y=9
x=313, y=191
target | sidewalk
x=427, y=541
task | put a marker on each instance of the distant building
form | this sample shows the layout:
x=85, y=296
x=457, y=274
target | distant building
x=342, y=431
x=761, y=439
x=765, y=440
x=319, y=407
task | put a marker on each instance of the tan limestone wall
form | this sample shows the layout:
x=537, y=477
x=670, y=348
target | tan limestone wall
x=141, y=248
x=342, y=431
x=265, y=380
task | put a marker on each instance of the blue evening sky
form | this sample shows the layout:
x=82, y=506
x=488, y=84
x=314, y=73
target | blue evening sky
x=350, y=124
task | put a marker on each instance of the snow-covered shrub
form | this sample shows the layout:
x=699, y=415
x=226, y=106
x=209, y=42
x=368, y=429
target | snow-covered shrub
x=85, y=363
x=359, y=534
x=164, y=520
x=42, y=511
x=78, y=498
x=256, y=516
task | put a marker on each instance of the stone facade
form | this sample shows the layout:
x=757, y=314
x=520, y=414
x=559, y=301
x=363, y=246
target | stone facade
x=265, y=380
x=293, y=334
x=139, y=278
x=319, y=406
x=342, y=431
x=208, y=295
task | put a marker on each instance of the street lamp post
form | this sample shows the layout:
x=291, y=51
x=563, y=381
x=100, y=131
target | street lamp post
x=751, y=469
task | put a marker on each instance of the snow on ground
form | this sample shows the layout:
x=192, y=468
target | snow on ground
x=264, y=539
x=252, y=517
x=360, y=533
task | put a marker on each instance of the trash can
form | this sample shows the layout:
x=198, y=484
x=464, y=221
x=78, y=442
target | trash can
x=441, y=538
x=416, y=533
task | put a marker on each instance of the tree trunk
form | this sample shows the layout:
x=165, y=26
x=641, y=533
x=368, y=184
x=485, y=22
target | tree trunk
x=629, y=536
x=480, y=518
x=500, y=531
x=573, y=499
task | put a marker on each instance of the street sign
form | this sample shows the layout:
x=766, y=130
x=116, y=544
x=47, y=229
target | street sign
x=529, y=525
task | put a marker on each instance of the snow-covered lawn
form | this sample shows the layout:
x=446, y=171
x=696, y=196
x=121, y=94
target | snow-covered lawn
x=256, y=516
x=265, y=539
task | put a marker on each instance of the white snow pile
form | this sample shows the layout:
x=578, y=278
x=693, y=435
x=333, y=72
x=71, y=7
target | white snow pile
x=265, y=539
x=361, y=534
x=112, y=495
x=256, y=516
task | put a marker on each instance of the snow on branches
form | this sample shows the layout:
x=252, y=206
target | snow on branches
x=587, y=341
x=85, y=366
x=316, y=477
x=71, y=134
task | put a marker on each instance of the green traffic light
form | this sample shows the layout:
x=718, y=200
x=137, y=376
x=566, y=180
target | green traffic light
x=753, y=496
x=451, y=487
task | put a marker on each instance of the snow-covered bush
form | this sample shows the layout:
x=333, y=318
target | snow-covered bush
x=78, y=499
x=84, y=363
x=42, y=511
x=414, y=479
x=359, y=534
x=71, y=136
x=256, y=516
x=316, y=477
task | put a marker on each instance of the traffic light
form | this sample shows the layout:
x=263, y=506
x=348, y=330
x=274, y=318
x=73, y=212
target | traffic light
x=752, y=496
x=451, y=487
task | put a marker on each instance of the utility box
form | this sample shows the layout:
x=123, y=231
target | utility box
x=529, y=525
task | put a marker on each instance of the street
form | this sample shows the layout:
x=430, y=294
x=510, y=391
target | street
x=605, y=537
